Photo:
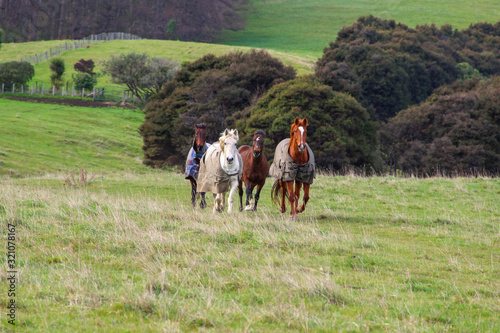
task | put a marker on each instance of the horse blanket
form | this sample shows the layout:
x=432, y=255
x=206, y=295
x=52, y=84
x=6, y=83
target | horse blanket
x=286, y=169
x=193, y=162
x=212, y=178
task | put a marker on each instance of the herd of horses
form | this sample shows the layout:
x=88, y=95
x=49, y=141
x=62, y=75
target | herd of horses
x=222, y=167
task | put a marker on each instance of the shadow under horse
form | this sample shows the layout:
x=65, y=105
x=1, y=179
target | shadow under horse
x=293, y=162
x=200, y=146
x=255, y=170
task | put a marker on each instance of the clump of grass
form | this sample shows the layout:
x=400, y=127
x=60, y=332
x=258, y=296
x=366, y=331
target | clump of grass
x=83, y=179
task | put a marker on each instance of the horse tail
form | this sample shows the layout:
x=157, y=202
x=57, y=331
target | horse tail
x=276, y=192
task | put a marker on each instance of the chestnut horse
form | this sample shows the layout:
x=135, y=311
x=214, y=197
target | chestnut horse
x=199, y=148
x=255, y=170
x=293, y=161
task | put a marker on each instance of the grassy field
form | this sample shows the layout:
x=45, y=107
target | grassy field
x=44, y=138
x=306, y=27
x=126, y=252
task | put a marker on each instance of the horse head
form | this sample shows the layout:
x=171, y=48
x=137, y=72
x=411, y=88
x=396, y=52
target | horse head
x=228, y=143
x=200, y=137
x=258, y=143
x=298, y=134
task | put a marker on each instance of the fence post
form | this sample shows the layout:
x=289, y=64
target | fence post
x=3, y=86
x=53, y=90
x=43, y=90
x=93, y=95
x=83, y=92
x=13, y=88
x=63, y=91
x=22, y=89
x=73, y=92
x=124, y=97
x=32, y=89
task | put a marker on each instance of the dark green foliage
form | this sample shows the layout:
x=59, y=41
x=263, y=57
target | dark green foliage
x=18, y=73
x=457, y=130
x=57, y=67
x=340, y=131
x=210, y=90
x=394, y=66
x=84, y=81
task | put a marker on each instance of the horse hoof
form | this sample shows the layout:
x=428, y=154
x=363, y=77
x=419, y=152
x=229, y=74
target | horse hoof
x=283, y=209
x=294, y=217
x=248, y=208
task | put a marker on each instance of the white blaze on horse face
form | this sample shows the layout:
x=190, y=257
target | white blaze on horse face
x=302, y=143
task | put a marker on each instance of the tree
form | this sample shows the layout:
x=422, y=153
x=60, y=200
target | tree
x=18, y=73
x=86, y=78
x=144, y=76
x=57, y=67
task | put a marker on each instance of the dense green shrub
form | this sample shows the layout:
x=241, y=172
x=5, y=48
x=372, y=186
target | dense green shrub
x=340, y=131
x=392, y=66
x=86, y=78
x=18, y=73
x=208, y=90
x=457, y=130
x=57, y=67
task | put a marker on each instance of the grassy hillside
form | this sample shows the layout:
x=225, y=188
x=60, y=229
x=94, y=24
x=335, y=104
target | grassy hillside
x=127, y=253
x=305, y=27
x=178, y=51
x=46, y=138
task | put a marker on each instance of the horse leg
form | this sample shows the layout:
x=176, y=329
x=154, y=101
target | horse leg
x=249, y=190
x=292, y=199
x=240, y=192
x=257, y=196
x=203, y=202
x=232, y=192
x=283, y=194
x=193, y=192
x=306, y=198
x=298, y=187
x=222, y=201
x=216, y=203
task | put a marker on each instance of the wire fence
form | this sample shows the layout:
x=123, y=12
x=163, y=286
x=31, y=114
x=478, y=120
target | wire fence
x=77, y=44
x=99, y=94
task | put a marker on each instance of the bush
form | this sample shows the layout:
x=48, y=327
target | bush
x=393, y=66
x=455, y=131
x=84, y=81
x=340, y=131
x=18, y=73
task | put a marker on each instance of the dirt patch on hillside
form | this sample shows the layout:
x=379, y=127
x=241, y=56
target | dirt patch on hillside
x=69, y=102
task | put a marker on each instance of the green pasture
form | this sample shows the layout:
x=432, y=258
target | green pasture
x=45, y=138
x=128, y=253
x=306, y=27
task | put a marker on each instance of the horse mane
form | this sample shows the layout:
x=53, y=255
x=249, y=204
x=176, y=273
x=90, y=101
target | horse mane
x=229, y=133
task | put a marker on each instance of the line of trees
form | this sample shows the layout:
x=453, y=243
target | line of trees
x=384, y=96
x=193, y=20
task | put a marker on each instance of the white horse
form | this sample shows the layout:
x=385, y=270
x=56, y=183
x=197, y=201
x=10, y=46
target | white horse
x=220, y=170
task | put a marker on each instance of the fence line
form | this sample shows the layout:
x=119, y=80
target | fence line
x=77, y=44
x=97, y=94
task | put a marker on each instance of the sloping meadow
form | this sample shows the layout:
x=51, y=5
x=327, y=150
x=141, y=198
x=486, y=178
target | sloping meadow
x=127, y=252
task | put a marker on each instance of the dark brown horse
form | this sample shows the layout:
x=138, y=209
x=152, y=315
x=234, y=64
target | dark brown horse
x=255, y=170
x=293, y=162
x=193, y=161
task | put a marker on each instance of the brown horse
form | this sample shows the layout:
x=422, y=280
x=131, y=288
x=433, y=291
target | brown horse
x=293, y=161
x=255, y=170
x=199, y=148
